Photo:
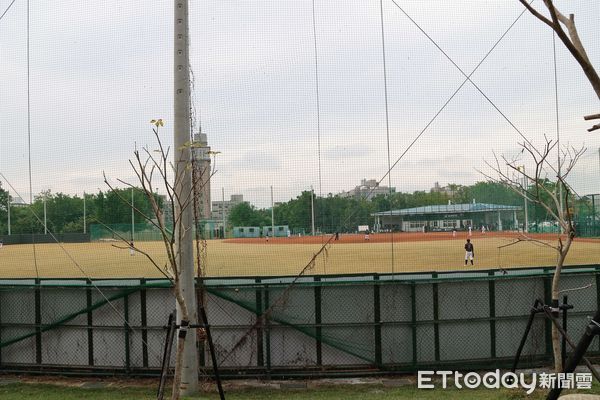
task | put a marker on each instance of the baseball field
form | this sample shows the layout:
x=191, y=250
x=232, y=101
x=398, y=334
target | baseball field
x=383, y=253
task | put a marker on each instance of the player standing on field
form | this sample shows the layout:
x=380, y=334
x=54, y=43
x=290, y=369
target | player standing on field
x=469, y=251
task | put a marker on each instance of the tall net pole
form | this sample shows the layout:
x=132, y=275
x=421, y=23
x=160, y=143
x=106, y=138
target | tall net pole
x=183, y=190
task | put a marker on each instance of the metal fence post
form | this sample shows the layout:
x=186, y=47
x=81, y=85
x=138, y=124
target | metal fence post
x=377, y=320
x=90, y=332
x=267, y=331
x=260, y=349
x=38, y=322
x=413, y=297
x=597, y=272
x=126, y=326
x=547, y=322
x=492, y=298
x=1, y=302
x=318, y=321
x=144, y=322
x=436, y=316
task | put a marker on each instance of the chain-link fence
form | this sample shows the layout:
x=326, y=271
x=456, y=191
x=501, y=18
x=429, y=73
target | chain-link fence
x=287, y=326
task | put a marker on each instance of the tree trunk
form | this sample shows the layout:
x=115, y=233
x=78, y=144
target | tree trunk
x=556, y=336
x=176, y=393
x=177, y=389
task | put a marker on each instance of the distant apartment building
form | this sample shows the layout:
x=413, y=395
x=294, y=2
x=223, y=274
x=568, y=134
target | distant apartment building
x=451, y=190
x=367, y=189
x=221, y=209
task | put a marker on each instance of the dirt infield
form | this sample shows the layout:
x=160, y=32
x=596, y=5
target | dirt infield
x=396, y=237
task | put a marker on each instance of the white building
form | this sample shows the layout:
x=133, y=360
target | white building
x=221, y=209
x=201, y=175
x=367, y=190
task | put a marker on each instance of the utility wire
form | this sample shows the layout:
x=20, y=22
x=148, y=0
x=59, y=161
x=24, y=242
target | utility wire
x=314, y=26
x=467, y=79
x=560, y=191
x=328, y=242
x=81, y=270
x=7, y=8
x=37, y=274
x=387, y=122
x=318, y=101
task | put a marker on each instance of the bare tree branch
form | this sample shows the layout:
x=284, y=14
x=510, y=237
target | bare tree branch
x=571, y=41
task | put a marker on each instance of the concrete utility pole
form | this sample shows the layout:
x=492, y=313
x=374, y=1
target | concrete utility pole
x=182, y=154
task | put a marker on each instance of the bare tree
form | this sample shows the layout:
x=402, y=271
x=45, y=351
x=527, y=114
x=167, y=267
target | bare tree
x=572, y=42
x=149, y=166
x=545, y=192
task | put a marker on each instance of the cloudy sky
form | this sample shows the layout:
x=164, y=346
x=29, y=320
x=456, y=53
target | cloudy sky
x=100, y=70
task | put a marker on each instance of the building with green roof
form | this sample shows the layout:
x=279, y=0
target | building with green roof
x=448, y=217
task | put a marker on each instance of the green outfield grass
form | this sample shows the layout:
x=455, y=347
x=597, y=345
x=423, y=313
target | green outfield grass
x=103, y=260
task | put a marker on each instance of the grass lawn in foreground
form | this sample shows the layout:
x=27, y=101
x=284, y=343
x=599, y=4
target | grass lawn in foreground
x=104, y=260
x=27, y=391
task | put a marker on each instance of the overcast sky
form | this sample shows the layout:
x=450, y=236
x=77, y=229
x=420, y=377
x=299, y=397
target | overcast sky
x=100, y=70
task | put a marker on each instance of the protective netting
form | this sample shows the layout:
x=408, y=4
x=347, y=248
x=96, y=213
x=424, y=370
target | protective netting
x=351, y=147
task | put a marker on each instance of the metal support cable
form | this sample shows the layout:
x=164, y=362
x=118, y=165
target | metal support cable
x=387, y=121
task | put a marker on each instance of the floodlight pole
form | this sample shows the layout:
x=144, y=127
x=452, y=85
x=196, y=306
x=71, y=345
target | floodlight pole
x=223, y=209
x=8, y=207
x=272, y=214
x=84, y=216
x=312, y=210
x=45, y=224
x=183, y=190
x=132, y=217
x=525, y=182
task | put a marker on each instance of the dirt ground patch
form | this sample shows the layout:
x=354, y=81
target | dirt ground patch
x=395, y=237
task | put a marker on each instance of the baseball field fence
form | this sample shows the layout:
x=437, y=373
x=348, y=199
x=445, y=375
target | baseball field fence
x=293, y=326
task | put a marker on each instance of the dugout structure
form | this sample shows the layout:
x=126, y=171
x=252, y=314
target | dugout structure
x=246, y=231
x=280, y=231
x=448, y=217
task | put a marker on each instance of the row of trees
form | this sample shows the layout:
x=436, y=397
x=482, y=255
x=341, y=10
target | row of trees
x=65, y=213
x=334, y=213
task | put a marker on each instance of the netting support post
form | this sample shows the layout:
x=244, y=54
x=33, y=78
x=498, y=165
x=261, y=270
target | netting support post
x=413, y=312
x=534, y=310
x=377, y=320
x=492, y=299
x=38, y=322
x=318, y=321
x=436, y=316
x=90, y=330
x=592, y=330
x=144, y=322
